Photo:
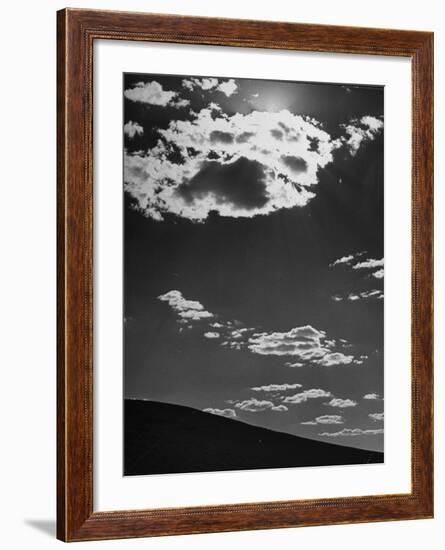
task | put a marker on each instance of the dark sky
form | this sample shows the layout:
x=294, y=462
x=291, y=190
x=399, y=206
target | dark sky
x=254, y=251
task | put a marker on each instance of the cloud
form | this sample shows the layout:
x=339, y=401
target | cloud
x=325, y=419
x=352, y=432
x=366, y=294
x=238, y=168
x=305, y=395
x=336, y=358
x=202, y=83
x=305, y=343
x=341, y=403
x=132, y=128
x=360, y=131
x=280, y=408
x=152, y=93
x=276, y=387
x=347, y=259
x=360, y=360
x=369, y=264
x=256, y=405
x=227, y=87
x=229, y=413
x=377, y=417
x=239, y=333
x=372, y=396
x=372, y=264
x=343, y=260
x=372, y=294
x=185, y=309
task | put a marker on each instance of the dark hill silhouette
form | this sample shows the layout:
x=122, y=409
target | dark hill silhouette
x=164, y=438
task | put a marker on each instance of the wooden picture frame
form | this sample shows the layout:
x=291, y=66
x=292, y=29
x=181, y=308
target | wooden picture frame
x=77, y=31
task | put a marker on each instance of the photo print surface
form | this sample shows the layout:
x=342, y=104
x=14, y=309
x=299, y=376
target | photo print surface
x=253, y=274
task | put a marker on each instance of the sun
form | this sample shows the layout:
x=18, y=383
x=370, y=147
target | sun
x=273, y=100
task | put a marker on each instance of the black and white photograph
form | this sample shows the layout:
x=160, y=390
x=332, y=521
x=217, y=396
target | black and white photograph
x=253, y=274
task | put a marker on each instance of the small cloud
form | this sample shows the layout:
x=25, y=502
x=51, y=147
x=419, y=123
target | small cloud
x=341, y=403
x=280, y=408
x=378, y=274
x=152, y=93
x=227, y=87
x=347, y=259
x=372, y=264
x=360, y=131
x=336, y=358
x=229, y=413
x=372, y=294
x=372, y=396
x=256, y=405
x=276, y=387
x=190, y=310
x=352, y=432
x=343, y=260
x=377, y=417
x=132, y=128
x=294, y=365
x=211, y=335
x=369, y=264
x=325, y=419
x=366, y=294
x=205, y=83
x=305, y=395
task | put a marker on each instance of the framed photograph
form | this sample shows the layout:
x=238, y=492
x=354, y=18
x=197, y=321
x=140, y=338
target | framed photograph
x=245, y=227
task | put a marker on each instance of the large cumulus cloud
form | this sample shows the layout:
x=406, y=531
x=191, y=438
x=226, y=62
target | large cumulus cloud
x=238, y=166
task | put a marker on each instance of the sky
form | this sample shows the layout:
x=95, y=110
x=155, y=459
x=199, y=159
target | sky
x=253, y=252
